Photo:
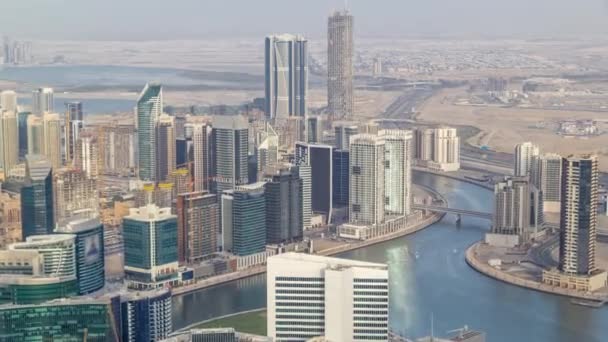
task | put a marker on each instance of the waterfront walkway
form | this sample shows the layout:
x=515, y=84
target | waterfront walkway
x=472, y=259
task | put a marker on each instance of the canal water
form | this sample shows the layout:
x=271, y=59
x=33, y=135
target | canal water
x=429, y=279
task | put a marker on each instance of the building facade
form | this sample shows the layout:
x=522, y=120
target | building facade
x=231, y=149
x=165, y=147
x=52, y=139
x=42, y=100
x=286, y=73
x=244, y=220
x=283, y=192
x=319, y=158
x=74, y=124
x=150, y=240
x=310, y=296
x=526, y=157
x=198, y=217
x=9, y=140
x=578, y=218
x=340, y=49
x=37, y=208
x=149, y=109
x=550, y=181
x=366, y=179
x=90, y=257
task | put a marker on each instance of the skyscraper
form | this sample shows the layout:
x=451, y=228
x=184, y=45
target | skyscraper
x=9, y=141
x=202, y=155
x=87, y=157
x=146, y=316
x=578, y=219
x=37, y=210
x=367, y=183
x=165, y=147
x=244, y=219
x=283, y=192
x=343, y=131
x=74, y=193
x=90, y=262
x=150, y=239
x=74, y=123
x=149, y=109
x=340, y=99
x=550, y=180
x=231, y=147
x=397, y=171
x=314, y=129
x=35, y=135
x=446, y=148
x=319, y=158
x=518, y=207
x=42, y=100
x=117, y=149
x=267, y=150
x=286, y=72
x=340, y=181
x=526, y=157
x=342, y=300
x=22, y=118
x=8, y=101
x=198, y=219
x=52, y=139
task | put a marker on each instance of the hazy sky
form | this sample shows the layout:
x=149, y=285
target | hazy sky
x=169, y=19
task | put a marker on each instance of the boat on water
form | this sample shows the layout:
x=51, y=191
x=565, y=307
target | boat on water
x=588, y=303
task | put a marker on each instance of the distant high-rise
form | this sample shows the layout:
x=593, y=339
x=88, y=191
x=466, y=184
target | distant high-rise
x=339, y=299
x=286, y=72
x=146, y=316
x=42, y=100
x=74, y=123
x=198, y=218
x=117, y=149
x=74, y=193
x=87, y=156
x=397, y=171
x=202, y=155
x=367, y=192
x=578, y=219
x=149, y=109
x=343, y=131
x=340, y=181
x=314, y=129
x=446, y=148
x=37, y=210
x=9, y=141
x=52, y=139
x=244, y=219
x=267, y=150
x=319, y=158
x=550, y=180
x=150, y=239
x=526, y=157
x=283, y=192
x=165, y=147
x=340, y=99
x=231, y=147
x=35, y=135
x=22, y=118
x=518, y=207
x=8, y=101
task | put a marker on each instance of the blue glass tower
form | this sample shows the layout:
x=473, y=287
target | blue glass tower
x=149, y=108
x=37, y=210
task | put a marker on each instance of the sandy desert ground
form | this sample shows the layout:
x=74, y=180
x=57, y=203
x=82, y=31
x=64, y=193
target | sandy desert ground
x=503, y=128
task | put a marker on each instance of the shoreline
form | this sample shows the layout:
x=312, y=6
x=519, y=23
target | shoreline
x=257, y=270
x=221, y=279
x=507, y=278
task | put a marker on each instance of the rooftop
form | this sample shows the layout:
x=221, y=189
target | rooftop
x=329, y=261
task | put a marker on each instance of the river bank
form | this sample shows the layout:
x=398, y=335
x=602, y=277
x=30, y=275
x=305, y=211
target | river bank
x=471, y=257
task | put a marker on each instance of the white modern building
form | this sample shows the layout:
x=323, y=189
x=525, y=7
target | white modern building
x=340, y=49
x=397, y=170
x=343, y=130
x=446, y=149
x=366, y=174
x=53, y=135
x=310, y=296
x=526, y=156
